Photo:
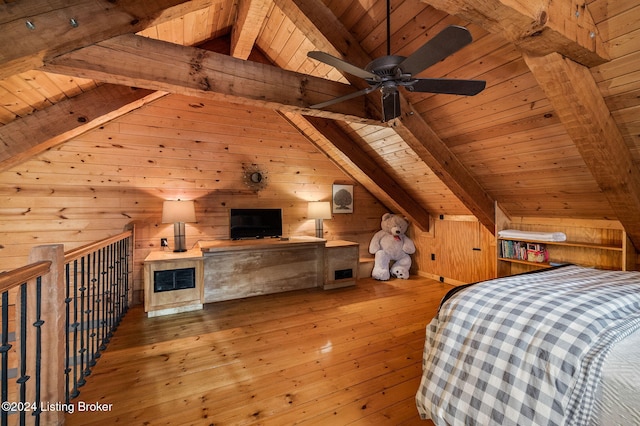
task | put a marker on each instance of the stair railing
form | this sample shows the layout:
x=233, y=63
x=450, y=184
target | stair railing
x=57, y=315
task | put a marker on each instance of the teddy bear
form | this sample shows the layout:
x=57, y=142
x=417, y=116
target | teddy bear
x=391, y=244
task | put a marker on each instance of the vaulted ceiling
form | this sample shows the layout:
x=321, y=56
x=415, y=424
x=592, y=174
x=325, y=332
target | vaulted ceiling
x=555, y=133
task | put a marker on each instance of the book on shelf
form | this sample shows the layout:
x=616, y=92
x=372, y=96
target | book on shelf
x=520, y=250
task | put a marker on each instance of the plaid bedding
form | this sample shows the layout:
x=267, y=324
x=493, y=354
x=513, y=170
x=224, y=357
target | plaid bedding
x=526, y=349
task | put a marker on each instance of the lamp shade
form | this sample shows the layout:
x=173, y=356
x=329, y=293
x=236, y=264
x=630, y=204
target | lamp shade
x=319, y=210
x=178, y=211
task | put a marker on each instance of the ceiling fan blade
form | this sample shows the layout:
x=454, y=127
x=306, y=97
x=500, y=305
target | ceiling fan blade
x=345, y=97
x=447, y=42
x=450, y=86
x=390, y=104
x=340, y=64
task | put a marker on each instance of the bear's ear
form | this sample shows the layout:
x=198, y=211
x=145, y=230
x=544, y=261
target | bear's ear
x=386, y=216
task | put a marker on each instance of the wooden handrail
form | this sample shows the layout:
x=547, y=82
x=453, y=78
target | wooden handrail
x=15, y=277
x=79, y=252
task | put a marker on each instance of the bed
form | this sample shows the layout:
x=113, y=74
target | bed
x=559, y=346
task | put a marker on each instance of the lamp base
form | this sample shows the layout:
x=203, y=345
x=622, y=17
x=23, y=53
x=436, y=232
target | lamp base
x=319, y=230
x=179, y=237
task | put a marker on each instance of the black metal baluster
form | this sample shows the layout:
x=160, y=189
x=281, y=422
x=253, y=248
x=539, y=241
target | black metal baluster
x=109, y=291
x=118, y=284
x=86, y=323
x=94, y=325
x=74, y=326
x=82, y=323
x=4, y=351
x=127, y=244
x=99, y=301
x=22, y=380
x=105, y=297
x=114, y=286
x=67, y=366
x=114, y=289
x=123, y=279
x=38, y=368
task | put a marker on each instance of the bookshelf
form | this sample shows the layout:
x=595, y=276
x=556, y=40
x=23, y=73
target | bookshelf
x=601, y=244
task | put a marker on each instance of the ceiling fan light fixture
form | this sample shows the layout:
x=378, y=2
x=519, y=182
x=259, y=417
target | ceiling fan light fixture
x=390, y=102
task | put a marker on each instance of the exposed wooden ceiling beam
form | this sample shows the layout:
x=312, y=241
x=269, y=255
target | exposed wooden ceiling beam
x=390, y=193
x=576, y=98
x=36, y=30
x=67, y=119
x=157, y=65
x=538, y=27
x=249, y=20
x=437, y=155
x=312, y=17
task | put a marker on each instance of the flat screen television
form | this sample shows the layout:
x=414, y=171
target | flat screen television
x=255, y=223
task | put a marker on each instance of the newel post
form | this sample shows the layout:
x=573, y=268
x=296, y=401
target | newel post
x=53, y=333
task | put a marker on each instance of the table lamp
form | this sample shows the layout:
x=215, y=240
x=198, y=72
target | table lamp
x=178, y=212
x=319, y=210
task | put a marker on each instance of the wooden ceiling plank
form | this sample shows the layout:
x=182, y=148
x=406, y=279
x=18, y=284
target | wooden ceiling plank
x=195, y=27
x=275, y=19
x=249, y=21
x=358, y=159
x=604, y=10
x=12, y=105
x=45, y=129
x=141, y=62
x=71, y=86
x=29, y=95
x=539, y=28
x=574, y=94
x=296, y=57
x=34, y=30
x=306, y=16
x=499, y=118
x=44, y=85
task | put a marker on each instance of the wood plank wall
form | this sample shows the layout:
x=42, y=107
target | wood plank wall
x=456, y=250
x=176, y=148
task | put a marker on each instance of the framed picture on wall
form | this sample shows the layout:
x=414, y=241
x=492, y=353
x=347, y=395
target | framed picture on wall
x=342, y=198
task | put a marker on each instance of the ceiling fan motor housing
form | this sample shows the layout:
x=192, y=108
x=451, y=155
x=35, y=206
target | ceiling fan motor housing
x=385, y=67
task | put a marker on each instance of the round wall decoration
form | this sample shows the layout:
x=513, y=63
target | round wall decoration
x=255, y=178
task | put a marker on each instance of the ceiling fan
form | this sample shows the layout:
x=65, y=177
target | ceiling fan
x=389, y=72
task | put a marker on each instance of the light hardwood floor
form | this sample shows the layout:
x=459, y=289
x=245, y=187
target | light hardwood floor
x=346, y=356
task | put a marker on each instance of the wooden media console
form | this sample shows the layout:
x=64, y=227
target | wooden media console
x=227, y=269
x=243, y=268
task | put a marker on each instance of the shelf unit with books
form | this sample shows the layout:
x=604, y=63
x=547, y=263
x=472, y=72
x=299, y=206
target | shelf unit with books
x=594, y=243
